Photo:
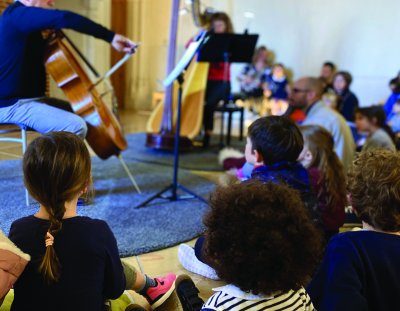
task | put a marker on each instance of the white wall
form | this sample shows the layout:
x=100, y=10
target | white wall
x=358, y=35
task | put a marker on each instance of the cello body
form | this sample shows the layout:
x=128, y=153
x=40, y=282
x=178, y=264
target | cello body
x=105, y=135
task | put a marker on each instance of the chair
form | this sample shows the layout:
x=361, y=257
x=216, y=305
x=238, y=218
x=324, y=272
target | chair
x=230, y=108
x=6, y=128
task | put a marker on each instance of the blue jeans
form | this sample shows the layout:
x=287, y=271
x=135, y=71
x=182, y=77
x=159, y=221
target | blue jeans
x=43, y=115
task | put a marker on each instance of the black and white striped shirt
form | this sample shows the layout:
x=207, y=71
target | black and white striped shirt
x=231, y=298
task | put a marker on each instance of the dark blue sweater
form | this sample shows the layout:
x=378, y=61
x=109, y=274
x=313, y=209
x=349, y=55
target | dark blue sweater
x=91, y=270
x=360, y=271
x=296, y=177
x=348, y=103
x=22, y=72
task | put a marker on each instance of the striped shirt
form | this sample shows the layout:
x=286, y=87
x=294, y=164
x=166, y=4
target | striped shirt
x=231, y=298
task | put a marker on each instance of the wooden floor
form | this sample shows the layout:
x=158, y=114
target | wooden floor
x=155, y=263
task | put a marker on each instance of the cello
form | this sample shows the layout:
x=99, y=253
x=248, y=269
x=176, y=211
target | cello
x=161, y=124
x=105, y=135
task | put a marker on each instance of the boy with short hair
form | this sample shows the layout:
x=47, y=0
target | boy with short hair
x=273, y=145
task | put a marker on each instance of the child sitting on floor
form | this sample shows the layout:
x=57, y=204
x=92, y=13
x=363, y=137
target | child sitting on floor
x=12, y=263
x=361, y=269
x=262, y=242
x=327, y=177
x=75, y=262
x=273, y=146
x=372, y=122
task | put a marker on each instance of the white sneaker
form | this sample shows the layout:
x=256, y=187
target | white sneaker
x=190, y=262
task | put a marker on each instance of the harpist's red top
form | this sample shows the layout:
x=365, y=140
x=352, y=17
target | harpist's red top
x=216, y=72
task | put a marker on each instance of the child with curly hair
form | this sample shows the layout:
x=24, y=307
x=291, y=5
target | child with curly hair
x=361, y=269
x=75, y=262
x=327, y=176
x=262, y=242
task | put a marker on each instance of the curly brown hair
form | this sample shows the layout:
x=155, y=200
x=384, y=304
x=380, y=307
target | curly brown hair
x=260, y=238
x=374, y=187
x=321, y=145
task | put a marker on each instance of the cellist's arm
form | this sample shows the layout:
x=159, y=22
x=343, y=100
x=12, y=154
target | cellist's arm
x=28, y=19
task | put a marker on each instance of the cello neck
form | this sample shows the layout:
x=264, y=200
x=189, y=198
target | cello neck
x=85, y=60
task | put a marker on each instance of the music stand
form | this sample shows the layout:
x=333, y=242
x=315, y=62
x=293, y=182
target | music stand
x=177, y=74
x=234, y=48
x=228, y=48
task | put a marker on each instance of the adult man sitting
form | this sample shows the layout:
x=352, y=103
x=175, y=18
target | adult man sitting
x=306, y=94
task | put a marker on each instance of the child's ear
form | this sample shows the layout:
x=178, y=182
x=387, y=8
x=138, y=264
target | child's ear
x=258, y=156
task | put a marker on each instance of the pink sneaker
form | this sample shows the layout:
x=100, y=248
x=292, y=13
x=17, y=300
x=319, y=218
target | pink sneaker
x=157, y=295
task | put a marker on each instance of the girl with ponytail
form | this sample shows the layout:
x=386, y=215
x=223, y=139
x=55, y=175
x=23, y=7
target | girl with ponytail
x=327, y=176
x=75, y=262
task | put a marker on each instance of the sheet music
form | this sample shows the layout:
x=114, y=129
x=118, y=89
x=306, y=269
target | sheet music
x=183, y=62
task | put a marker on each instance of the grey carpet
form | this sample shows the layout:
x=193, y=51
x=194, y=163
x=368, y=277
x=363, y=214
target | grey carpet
x=195, y=159
x=161, y=224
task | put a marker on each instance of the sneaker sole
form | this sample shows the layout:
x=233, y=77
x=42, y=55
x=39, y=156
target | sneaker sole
x=203, y=268
x=173, y=302
x=164, y=297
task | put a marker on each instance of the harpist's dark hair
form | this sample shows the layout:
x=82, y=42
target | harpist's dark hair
x=222, y=16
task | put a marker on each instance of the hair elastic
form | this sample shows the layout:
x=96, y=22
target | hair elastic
x=49, y=239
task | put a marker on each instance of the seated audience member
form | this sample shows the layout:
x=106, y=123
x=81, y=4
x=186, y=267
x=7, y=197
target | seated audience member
x=262, y=243
x=328, y=71
x=295, y=114
x=273, y=145
x=361, y=269
x=253, y=75
x=276, y=91
x=306, y=94
x=394, y=85
x=347, y=102
x=327, y=177
x=372, y=121
x=75, y=262
x=394, y=120
x=12, y=263
x=276, y=83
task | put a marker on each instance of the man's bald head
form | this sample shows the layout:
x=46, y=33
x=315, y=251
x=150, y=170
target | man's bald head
x=305, y=92
x=313, y=84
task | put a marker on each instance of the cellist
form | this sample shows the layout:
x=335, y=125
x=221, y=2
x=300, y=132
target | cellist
x=22, y=72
